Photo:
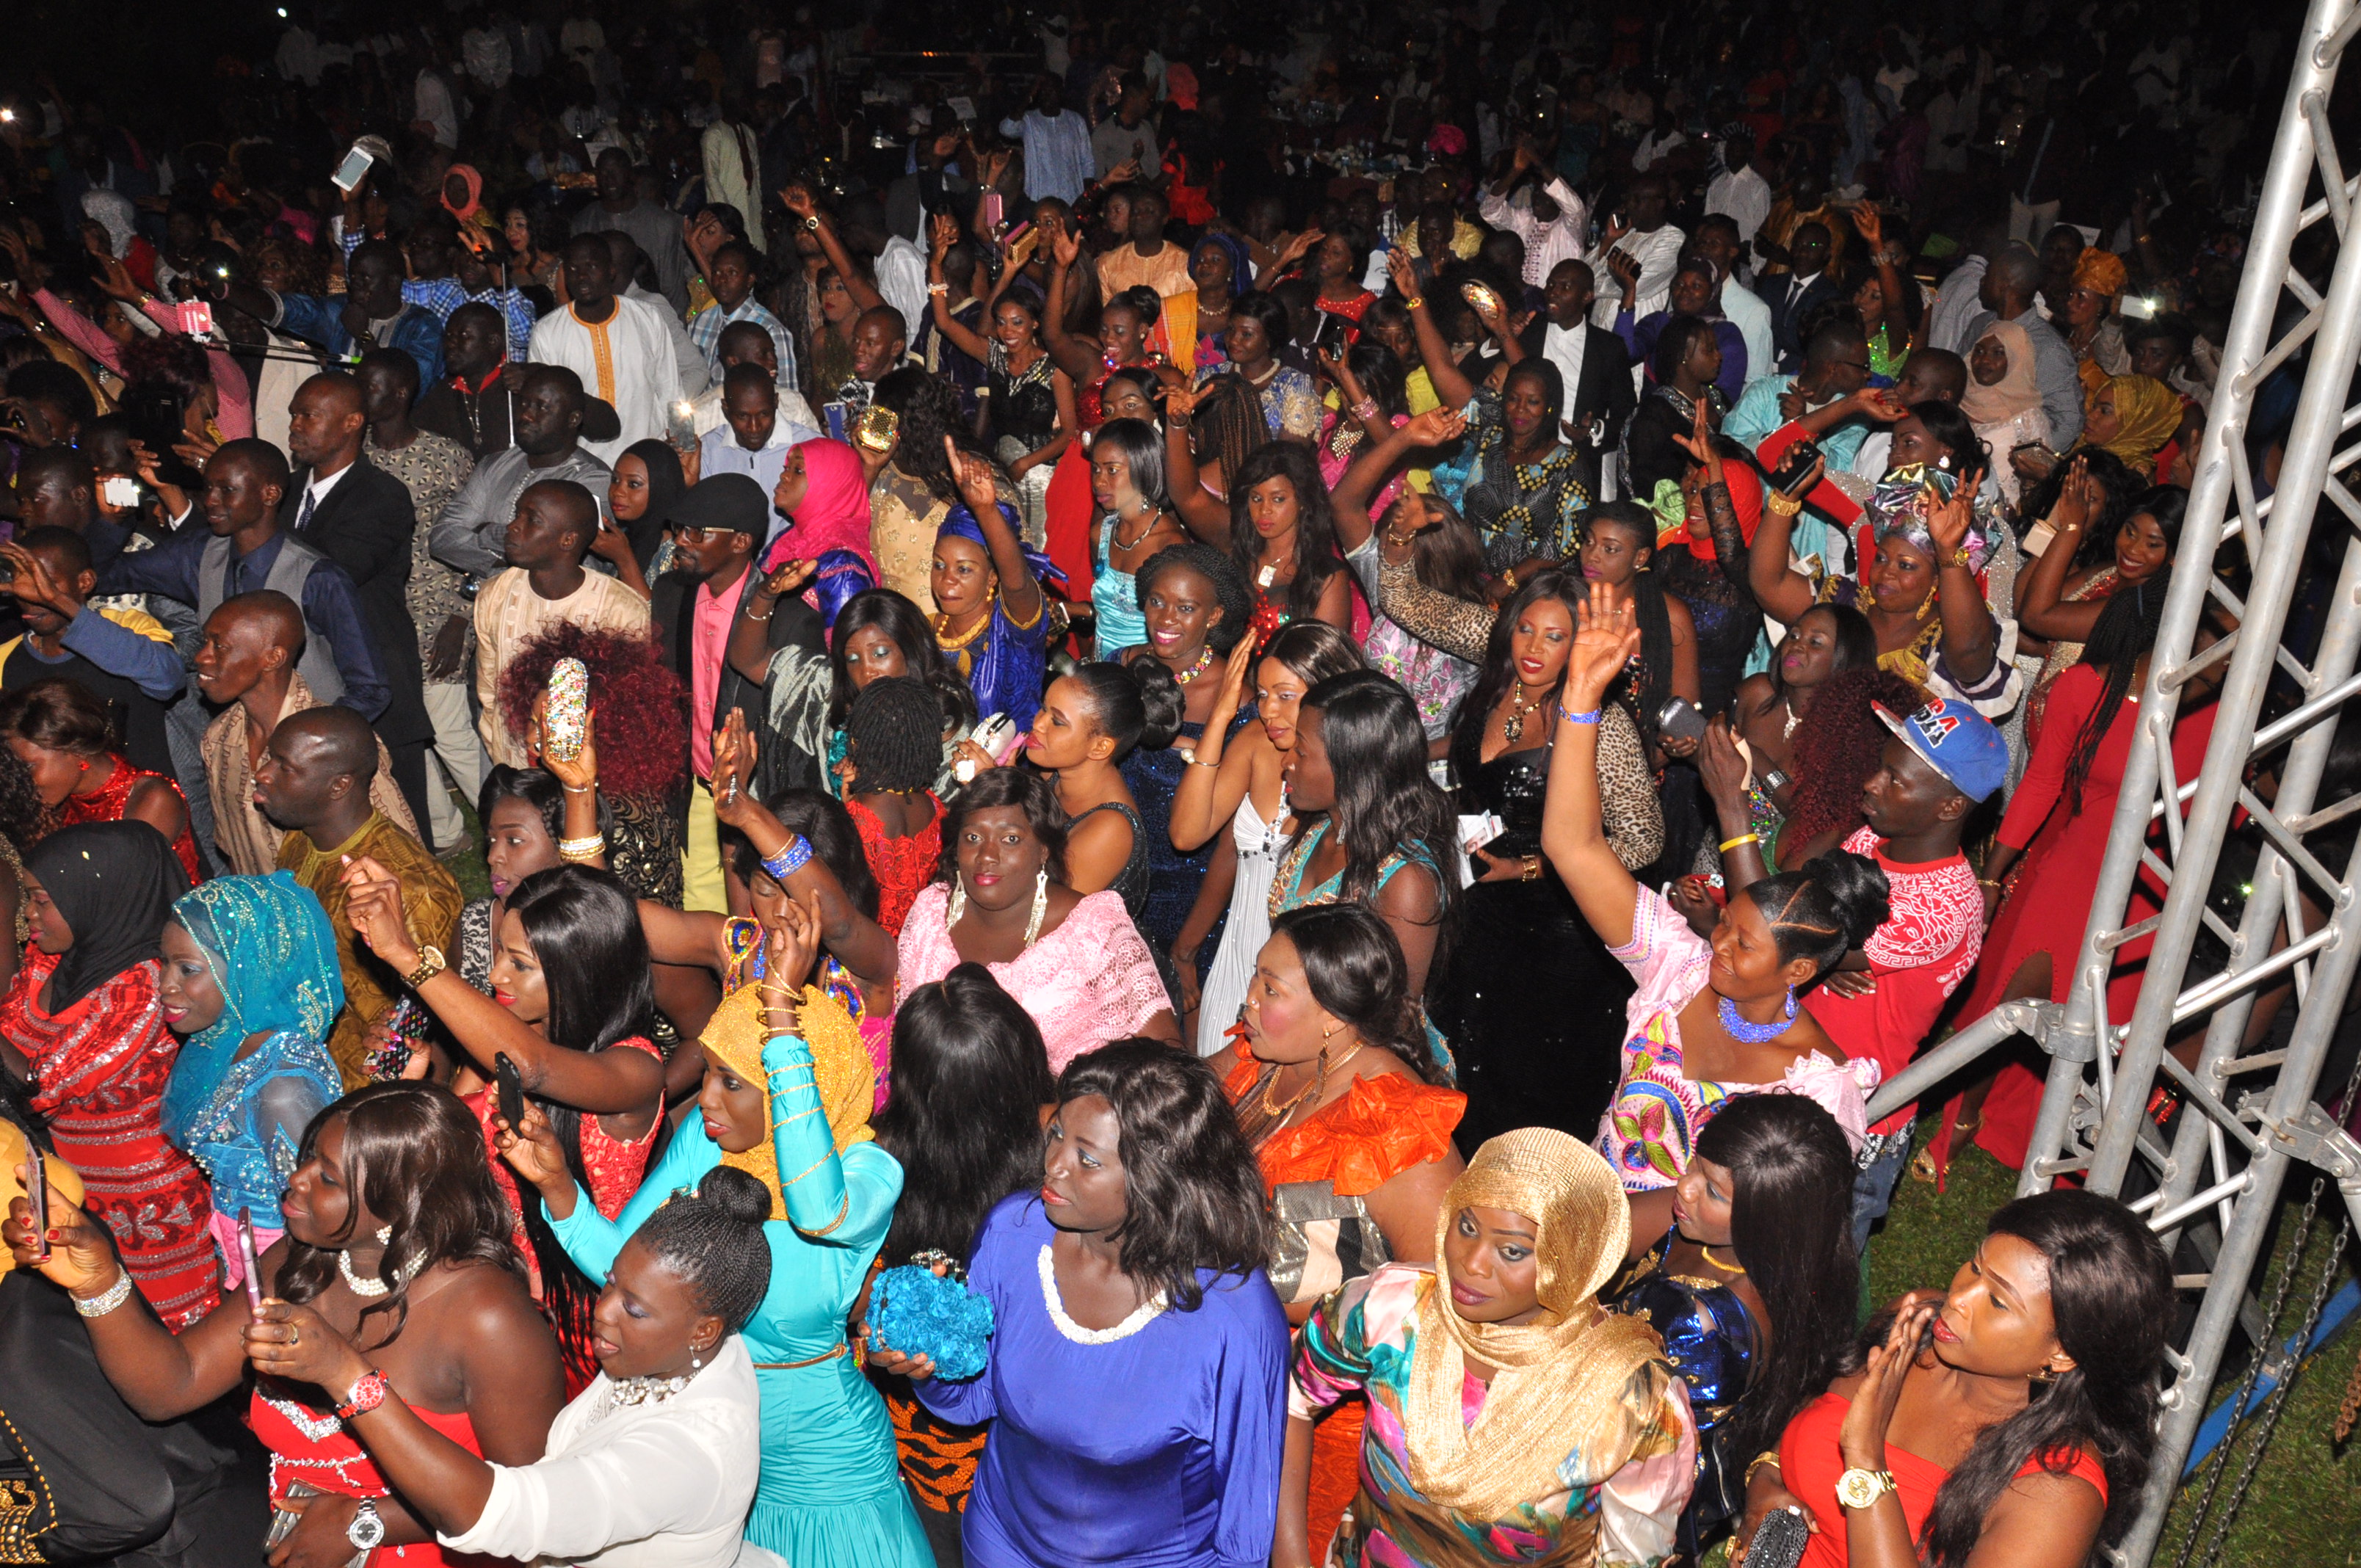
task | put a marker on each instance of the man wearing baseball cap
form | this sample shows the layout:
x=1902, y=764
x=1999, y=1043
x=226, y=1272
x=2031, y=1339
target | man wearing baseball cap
x=1883, y=1000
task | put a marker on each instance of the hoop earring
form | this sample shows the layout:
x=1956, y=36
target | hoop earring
x=957, y=906
x=1040, y=905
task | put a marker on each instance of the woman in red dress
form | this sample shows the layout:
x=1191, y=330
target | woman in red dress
x=2050, y=846
x=80, y=1020
x=396, y=1235
x=63, y=734
x=571, y=1007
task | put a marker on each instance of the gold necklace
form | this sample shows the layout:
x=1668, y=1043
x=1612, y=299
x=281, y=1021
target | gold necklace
x=1707, y=1252
x=1319, y=1078
x=1513, y=730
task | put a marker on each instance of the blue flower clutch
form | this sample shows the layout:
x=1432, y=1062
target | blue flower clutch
x=918, y=1313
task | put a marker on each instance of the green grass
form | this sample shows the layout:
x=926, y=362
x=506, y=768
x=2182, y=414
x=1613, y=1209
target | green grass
x=466, y=864
x=2303, y=1510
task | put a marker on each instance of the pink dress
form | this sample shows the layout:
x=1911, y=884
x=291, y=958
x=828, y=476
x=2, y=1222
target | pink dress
x=1089, y=981
x=1651, y=1125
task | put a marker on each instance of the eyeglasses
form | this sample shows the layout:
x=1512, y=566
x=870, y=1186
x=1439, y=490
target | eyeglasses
x=700, y=535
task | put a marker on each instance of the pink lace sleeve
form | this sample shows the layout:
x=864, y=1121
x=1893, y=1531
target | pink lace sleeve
x=1666, y=958
x=1841, y=1089
x=925, y=946
x=1091, y=980
x=1123, y=978
x=80, y=330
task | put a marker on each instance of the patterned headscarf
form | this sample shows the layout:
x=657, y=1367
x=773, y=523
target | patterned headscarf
x=2101, y=272
x=840, y=1066
x=2149, y=412
x=1900, y=504
x=273, y=954
x=1555, y=1376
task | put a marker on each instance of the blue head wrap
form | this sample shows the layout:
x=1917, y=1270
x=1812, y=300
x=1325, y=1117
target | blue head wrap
x=273, y=954
x=842, y=574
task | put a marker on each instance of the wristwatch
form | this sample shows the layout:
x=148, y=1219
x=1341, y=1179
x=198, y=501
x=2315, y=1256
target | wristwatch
x=430, y=964
x=368, y=1530
x=367, y=1392
x=1860, y=1488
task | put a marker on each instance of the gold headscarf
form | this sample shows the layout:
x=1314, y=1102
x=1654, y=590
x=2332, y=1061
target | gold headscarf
x=840, y=1066
x=1560, y=1379
x=2150, y=413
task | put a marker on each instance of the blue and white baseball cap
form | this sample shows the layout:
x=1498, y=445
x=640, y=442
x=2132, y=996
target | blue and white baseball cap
x=1956, y=741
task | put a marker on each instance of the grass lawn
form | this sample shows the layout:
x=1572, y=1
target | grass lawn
x=2304, y=1508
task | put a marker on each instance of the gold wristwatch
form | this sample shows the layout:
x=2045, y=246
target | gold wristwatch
x=430, y=964
x=1860, y=1488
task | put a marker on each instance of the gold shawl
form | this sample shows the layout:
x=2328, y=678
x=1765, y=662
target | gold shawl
x=841, y=1066
x=1559, y=1379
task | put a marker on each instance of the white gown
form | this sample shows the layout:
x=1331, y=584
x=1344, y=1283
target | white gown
x=1249, y=926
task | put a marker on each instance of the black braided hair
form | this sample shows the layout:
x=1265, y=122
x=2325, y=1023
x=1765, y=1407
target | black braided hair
x=713, y=1242
x=894, y=735
x=1216, y=567
x=1824, y=908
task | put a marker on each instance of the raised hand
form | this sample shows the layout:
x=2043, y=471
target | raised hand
x=1949, y=522
x=297, y=1344
x=790, y=948
x=1435, y=427
x=973, y=475
x=1403, y=270
x=531, y=1150
x=81, y=1257
x=1861, y=1440
x=734, y=756
x=1604, y=644
x=373, y=909
x=1698, y=441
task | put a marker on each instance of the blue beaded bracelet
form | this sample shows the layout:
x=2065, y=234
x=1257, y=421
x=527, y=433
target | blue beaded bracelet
x=789, y=861
x=1590, y=717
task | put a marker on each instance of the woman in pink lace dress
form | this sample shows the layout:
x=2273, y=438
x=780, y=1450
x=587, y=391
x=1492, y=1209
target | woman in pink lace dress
x=1075, y=962
x=1710, y=1019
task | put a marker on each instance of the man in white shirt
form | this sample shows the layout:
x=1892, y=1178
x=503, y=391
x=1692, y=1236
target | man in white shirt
x=433, y=112
x=1740, y=193
x=753, y=439
x=1651, y=248
x=618, y=347
x=1716, y=240
x=1551, y=219
x=1058, y=160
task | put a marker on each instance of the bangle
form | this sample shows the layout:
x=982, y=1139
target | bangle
x=1365, y=410
x=1415, y=303
x=1532, y=871
x=1768, y=1456
x=1986, y=881
x=789, y=860
x=579, y=789
x=1727, y=844
x=1590, y=717
x=939, y=290
x=752, y=615
x=1779, y=503
x=1958, y=558
x=114, y=1296
x=578, y=850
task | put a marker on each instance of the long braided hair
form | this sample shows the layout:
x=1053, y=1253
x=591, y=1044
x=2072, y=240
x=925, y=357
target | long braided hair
x=1648, y=687
x=2125, y=631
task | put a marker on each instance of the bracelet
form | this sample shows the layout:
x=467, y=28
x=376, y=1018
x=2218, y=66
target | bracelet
x=1365, y=410
x=1727, y=844
x=579, y=789
x=752, y=615
x=1986, y=881
x=1779, y=503
x=939, y=290
x=1958, y=558
x=578, y=850
x=1200, y=762
x=100, y=1305
x=1531, y=868
x=789, y=860
x=1768, y=1456
x=1590, y=717
x=1415, y=303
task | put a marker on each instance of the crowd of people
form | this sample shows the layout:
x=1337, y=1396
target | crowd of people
x=1310, y=709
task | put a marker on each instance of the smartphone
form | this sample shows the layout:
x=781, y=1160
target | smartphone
x=992, y=201
x=510, y=1087
x=680, y=425
x=1680, y=721
x=563, y=720
x=119, y=491
x=37, y=1190
x=250, y=1260
x=1333, y=332
x=352, y=171
x=1797, y=463
x=1711, y=887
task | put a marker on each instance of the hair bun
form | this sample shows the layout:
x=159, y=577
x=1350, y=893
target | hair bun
x=1159, y=694
x=1856, y=889
x=734, y=1195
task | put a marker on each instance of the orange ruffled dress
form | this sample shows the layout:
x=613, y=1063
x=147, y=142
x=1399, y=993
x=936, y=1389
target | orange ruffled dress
x=1317, y=1174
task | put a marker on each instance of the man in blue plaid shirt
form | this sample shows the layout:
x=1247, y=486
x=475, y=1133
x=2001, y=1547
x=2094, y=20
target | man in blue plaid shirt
x=447, y=275
x=730, y=272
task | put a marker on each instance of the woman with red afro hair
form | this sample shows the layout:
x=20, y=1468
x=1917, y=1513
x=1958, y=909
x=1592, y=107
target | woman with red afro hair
x=1835, y=755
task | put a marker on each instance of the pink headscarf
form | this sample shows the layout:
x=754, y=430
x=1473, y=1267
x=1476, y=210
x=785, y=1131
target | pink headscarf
x=1181, y=86
x=834, y=514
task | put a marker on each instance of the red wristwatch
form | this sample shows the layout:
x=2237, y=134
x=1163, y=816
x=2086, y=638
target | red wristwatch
x=367, y=1392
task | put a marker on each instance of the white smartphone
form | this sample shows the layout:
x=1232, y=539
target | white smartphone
x=352, y=171
x=118, y=491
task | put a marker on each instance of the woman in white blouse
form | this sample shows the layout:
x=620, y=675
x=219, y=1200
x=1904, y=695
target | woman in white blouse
x=653, y=1465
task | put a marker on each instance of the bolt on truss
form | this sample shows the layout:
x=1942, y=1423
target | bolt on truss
x=2246, y=1118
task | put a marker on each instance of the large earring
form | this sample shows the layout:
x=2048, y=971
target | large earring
x=1040, y=905
x=385, y=1234
x=958, y=899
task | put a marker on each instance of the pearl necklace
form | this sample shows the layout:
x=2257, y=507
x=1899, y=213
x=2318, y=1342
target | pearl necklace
x=369, y=1290
x=1141, y=1316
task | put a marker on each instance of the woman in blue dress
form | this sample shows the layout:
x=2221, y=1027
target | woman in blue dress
x=785, y=1098
x=1136, y=1376
x=250, y=981
x=1136, y=522
x=992, y=619
x=1747, y=1270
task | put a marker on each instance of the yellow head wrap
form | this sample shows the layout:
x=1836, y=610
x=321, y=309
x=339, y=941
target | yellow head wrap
x=2149, y=411
x=1561, y=1379
x=2101, y=271
x=840, y=1066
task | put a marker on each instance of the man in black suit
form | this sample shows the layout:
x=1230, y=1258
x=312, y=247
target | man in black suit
x=1793, y=298
x=361, y=517
x=1592, y=363
x=717, y=525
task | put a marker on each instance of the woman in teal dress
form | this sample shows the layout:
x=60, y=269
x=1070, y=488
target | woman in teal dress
x=786, y=1097
x=249, y=979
